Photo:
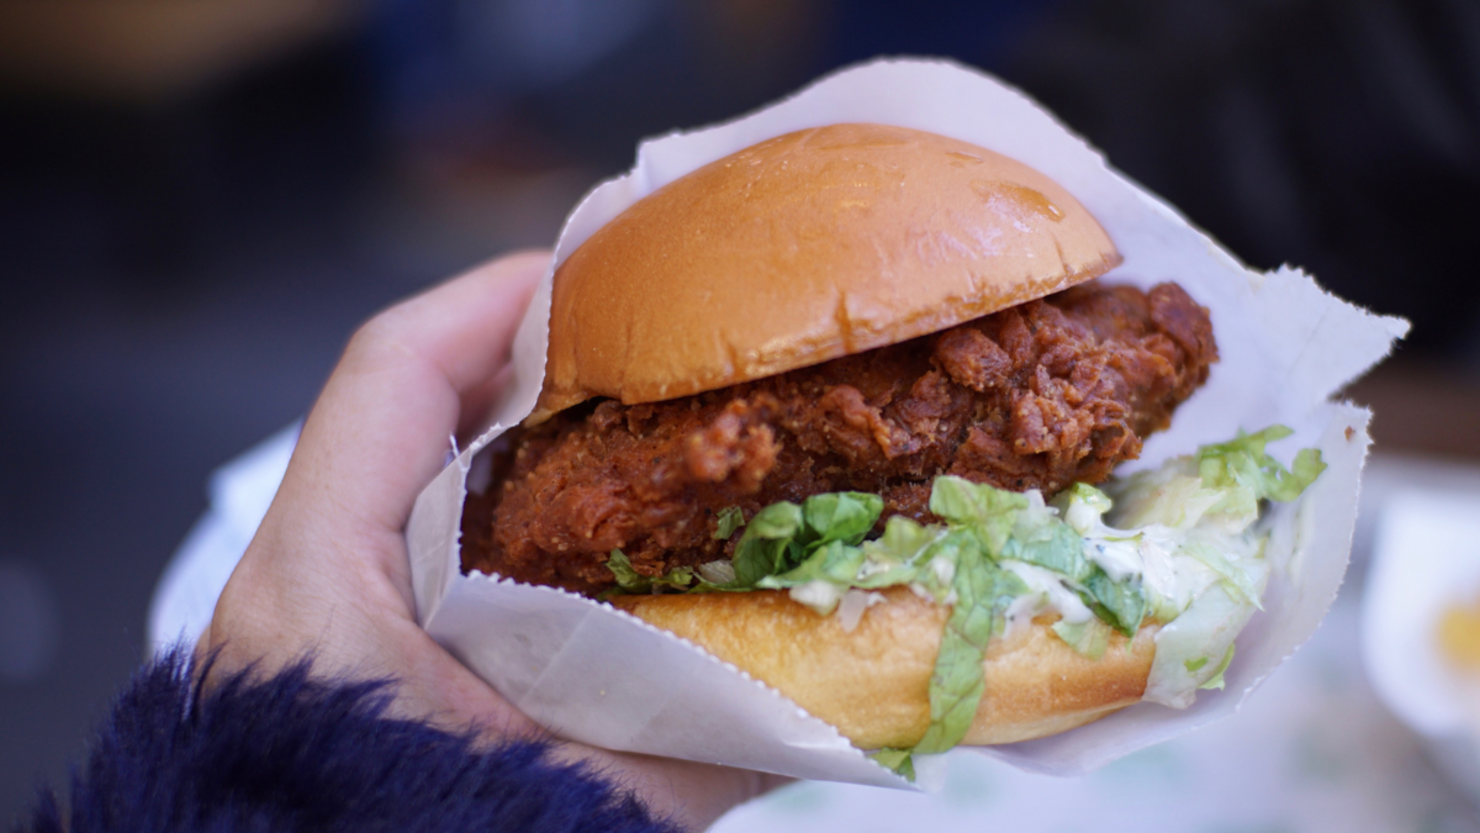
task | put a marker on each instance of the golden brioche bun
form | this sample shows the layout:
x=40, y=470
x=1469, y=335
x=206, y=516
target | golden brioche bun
x=807, y=247
x=872, y=683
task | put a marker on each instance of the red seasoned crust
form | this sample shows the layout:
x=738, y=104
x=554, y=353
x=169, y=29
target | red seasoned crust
x=1038, y=396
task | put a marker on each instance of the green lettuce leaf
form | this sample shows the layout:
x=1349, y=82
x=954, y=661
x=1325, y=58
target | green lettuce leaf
x=835, y=563
x=896, y=557
x=714, y=574
x=1172, y=496
x=900, y=760
x=621, y=567
x=1053, y=545
x=1242, y=585
x=780, y=546
x=631, y=581
x=1185, y=647
x=1241, y=467
x=902, y=540
x=840, y=516
x=1216, y=681
x=766, y=547
x=1089, y=638
x=1121, y=604
x=989, y=512
x=983, y=591
x=730, y=519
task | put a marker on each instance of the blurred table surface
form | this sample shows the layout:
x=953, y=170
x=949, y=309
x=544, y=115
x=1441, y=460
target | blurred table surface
x=1422, y=407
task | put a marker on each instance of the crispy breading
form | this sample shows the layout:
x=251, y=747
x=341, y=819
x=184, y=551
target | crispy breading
x=1038, y=396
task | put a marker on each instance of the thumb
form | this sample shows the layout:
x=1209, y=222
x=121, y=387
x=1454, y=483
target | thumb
x=380, y=428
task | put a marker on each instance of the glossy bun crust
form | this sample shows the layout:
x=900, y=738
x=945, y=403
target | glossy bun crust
x=872, y=683
x=806, y=247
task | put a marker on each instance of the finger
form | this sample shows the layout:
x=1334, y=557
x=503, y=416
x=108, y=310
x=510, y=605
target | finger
x=379, y=431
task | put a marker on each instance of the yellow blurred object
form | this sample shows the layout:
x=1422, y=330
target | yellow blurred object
x=1459, y=635
x=151, y=48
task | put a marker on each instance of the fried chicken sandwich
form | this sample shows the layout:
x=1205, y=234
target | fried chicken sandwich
x=841, y=409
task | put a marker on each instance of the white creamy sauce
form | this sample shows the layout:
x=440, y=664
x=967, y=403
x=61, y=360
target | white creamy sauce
x=1020, y=613
x=1033, y=514
x=1120, y=559
x=925, y=593
x=1154, y=553
x=852, y=608
x=819, y=595
x=944, y=569
x=1046, y=594
x=1082, y=516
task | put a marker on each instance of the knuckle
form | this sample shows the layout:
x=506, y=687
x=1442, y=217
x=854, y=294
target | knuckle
x=377, y=335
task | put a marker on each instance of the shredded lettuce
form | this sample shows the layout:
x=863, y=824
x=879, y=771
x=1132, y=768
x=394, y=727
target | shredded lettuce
x=1119, y=604
x=1244, y=584
x=1219, y=485
x=1176, y=545
x=956, y=563
x=784, y=537
x=844, y=517
x=1208, y=566
x=988, y=512
x=899, y=760
x=767, y=547
x=1241, y=467
x=983, y=591
x=631, y=581
x=1216, y=681
x=890, y=559
x=621, y=567
x=1089, y=638
x=730, y=519
x=1039, y=537
x=1206, y=629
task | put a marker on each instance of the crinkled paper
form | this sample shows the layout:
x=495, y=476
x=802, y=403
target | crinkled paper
x=594, y=674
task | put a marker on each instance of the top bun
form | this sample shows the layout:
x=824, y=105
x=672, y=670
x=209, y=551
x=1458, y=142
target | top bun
x=807, y=247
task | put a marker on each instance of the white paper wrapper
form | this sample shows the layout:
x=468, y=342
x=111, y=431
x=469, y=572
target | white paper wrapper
x=594, y=674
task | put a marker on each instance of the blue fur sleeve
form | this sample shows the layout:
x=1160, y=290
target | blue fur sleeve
x=292, y=753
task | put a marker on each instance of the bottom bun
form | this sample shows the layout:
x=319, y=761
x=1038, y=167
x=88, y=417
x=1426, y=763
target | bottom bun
x=872, y=682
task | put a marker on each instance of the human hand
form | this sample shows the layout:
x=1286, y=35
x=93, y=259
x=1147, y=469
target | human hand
x=327, y=574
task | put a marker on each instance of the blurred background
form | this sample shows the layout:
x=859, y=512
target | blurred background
x=200, y=199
